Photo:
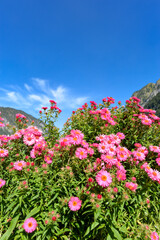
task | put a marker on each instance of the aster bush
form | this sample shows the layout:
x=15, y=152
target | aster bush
x=99, y=179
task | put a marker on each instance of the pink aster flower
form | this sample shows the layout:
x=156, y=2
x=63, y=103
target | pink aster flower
x=103, y=178
x=29, y=139
x=74, y=203
x=154, y=149
x=146, y=121
x=19, y=165
x=120, y=135
x=154, y=236
x=2, y=124
x=121, y=175
x=158, y=161
x=138, y=155
x=77, y=133
x=30, y=225
x=154, y=175
x=48, y=159
x=66, y=141
x=84, y=144
x=132, y=186
x=81, y=153
x=142, y=150
x=76, y=140
x=102, y=147
x=3, y=153
x=2, y=182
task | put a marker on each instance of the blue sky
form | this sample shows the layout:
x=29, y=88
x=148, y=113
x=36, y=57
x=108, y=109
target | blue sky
x=74, y=51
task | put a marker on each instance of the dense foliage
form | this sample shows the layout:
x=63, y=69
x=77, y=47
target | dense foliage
x=99, y=179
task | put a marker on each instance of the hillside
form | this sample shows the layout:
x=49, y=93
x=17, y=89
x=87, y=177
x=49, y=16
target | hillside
x=9, y=116
x=148, y=92
x=154, y=103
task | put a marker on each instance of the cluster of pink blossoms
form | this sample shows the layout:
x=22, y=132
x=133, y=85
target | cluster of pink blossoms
x=76, y=138
x=152, y=173
x=104, y=114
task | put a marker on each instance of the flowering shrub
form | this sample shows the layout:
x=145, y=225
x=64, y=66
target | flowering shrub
x=99, y=180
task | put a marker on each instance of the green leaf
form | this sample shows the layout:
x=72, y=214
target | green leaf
x=116, y=233
x=11, y=228
x=94, y=225
x=33, y=212
x=109, y=237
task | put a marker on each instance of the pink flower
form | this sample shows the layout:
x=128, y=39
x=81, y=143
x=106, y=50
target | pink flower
x=138, y=155
x=115, y=190
x=154, y=236
x=74, y=203
x=30, y=225
x=77, y=133
x=48, y=159
x=3, y=153
x=90, y=151
x=158, y=161
x=120, y=135
x=29, y=139
x=121, y=175
x=103, y=178
x=76, y=140
x=2, y=182
x=154, y=175
x=146, y=121
x=102, y=147
x=81, y=153
x=19, y=165
x=132, y=186
x=154, y=149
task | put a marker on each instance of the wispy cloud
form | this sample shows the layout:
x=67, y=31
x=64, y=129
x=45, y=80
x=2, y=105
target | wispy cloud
x=36, y=94
x=29, y=88
x=59, y=94
x=40, y=83
x=12, y=97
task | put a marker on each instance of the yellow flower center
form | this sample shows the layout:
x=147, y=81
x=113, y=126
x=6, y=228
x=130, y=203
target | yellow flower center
x=104, y=178
x=138, y=154
x=74, y=203
x=154, y=173
x=30, y=224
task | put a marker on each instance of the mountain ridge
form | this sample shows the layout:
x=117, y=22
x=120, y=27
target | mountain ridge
x=9, y=116
x=146, y=93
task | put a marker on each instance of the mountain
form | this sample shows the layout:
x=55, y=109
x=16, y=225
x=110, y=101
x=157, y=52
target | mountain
x=148, y=92
x=9, y=116
x=150, y=96
x=154, y=103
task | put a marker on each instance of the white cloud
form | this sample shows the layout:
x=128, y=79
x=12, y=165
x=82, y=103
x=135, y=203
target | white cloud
x=12, y=96
x=77, y=102
x=59, y=94
x=40, y=83
x=33, y=96
x=29, y=88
